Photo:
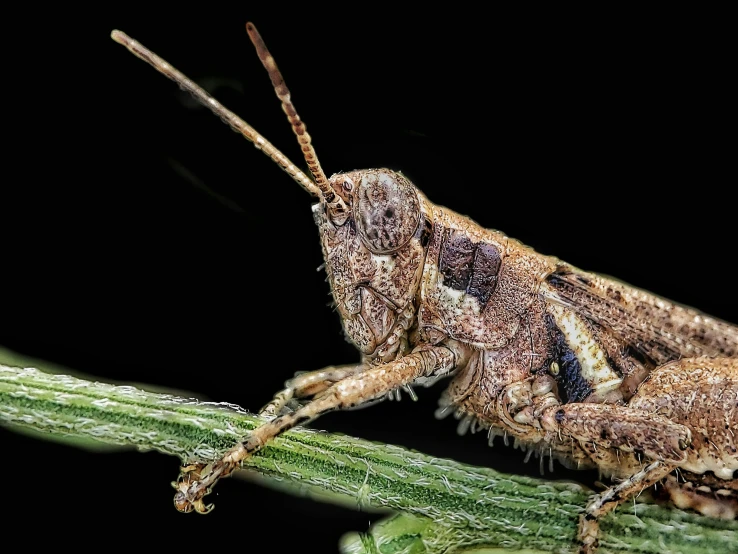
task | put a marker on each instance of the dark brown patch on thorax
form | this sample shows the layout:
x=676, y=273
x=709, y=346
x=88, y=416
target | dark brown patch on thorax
x=469, y=266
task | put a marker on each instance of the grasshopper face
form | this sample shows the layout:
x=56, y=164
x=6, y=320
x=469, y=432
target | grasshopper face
x=374, y=249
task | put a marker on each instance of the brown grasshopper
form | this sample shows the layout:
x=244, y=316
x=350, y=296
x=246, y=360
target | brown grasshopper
x=576, y=366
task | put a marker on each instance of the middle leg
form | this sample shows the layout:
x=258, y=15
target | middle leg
x=609, y=429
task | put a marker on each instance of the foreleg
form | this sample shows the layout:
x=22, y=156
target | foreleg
x=308, y=384
x=354, y=390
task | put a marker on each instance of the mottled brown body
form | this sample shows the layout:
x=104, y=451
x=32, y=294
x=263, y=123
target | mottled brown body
x=576, y=366
x=654, y=401
x=572, y=365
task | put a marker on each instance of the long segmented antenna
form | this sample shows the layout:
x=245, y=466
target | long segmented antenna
x=283, y=93
x=235, y=122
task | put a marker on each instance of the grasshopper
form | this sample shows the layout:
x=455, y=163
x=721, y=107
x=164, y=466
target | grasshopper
x=575, y=366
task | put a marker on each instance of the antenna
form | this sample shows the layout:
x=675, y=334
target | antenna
x=238, y=124
x=283, y=93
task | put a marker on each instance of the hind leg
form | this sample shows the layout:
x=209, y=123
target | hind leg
x=717, y=498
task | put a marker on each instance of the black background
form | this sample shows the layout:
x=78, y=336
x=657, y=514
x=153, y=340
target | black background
x=603, y=139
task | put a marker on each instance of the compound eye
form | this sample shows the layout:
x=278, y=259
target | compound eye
x=387, y=211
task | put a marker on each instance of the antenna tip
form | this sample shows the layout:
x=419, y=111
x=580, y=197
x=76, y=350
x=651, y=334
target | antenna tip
x=251, y=30
x=119, y=36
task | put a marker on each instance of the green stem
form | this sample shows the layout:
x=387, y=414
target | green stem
x=446, y=506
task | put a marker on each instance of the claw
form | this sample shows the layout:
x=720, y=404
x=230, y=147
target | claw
x=190, y=475
x=181, y=503
x=185, y=506
x=202, y=508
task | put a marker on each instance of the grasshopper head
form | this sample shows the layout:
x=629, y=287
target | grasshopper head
x=372, y=224
x=373, y=234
